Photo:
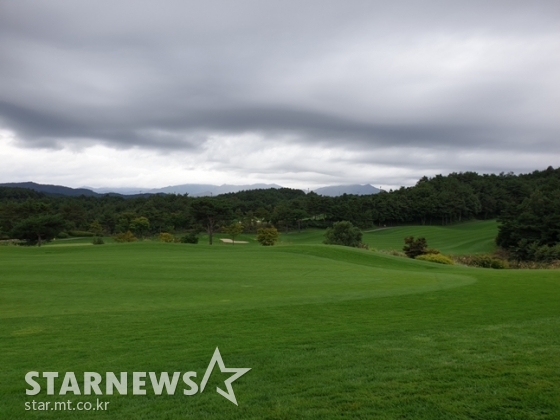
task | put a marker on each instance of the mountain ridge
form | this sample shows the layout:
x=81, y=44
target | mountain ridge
x=193, y=190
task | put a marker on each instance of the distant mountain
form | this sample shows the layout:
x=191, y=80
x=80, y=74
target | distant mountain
x=52, y=189
x=194, y=190
x=120, y=191
x=357, y=189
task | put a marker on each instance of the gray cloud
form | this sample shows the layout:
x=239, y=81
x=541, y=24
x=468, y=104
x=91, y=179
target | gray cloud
x=453, y=77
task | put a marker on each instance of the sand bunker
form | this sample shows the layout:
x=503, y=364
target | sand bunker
x=229, y=241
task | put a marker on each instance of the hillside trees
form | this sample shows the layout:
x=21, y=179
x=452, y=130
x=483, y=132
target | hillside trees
x=124, y=221
x=527, y=230
x=433, y=200
x=289, y=214
x=140, y=225
x=315, y=204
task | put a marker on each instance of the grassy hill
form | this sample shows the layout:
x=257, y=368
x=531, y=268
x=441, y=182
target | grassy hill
x=329, y=332
x=465, y=238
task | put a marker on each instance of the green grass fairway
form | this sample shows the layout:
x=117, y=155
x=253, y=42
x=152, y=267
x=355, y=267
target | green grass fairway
x=329, y=332
x=465, y=238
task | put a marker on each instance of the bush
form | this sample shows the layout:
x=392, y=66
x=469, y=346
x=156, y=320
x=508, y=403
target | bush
x=486, y=261
x=78, y=233
x=189, y=238
x=482, y=261
x=498, y=264
x=98, y=240
x=267, y=236
x=343, y=233
x=62, y=235
x=166, y=237
x=436, y=258
x=127, y=236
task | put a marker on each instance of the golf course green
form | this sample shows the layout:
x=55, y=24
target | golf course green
x=329, y=332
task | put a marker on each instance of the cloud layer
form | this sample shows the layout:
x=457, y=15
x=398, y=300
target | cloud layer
x=298, y=93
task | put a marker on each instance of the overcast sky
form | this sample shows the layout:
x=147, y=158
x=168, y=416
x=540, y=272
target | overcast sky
x=300, y=93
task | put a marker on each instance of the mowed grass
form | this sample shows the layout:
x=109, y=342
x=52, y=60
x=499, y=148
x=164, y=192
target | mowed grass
x=329, y=332
x=471, y=237
x=464, y=238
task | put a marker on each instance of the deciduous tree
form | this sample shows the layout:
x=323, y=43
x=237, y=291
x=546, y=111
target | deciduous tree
x=38, y=228
x=343, y=233
x=210, y=213
x=233, y=230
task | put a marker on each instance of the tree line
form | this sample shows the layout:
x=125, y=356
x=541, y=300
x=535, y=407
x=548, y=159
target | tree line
x=527, y=207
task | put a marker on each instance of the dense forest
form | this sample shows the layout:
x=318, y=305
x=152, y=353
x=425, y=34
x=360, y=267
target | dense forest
x=527, y=207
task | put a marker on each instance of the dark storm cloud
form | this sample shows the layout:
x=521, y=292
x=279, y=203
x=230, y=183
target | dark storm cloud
x=362, y=74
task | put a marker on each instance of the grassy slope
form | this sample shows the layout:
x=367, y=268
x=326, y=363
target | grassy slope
x=465, y=238
x=329, y=332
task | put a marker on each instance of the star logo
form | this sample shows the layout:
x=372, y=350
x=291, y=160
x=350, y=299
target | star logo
x=217, y=358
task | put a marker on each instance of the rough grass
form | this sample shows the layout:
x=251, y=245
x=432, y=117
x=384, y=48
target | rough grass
x=329, y=332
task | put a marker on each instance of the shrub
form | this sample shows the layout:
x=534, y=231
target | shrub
x=498, y=264
x=482, y=261
x=189, y=238
x=436, y=258
x=166, y=237
x=267, y=236
x=343, y=233
x=98, y=240
x=127, y=236
x=78, y=233
x=62, y=235
x=414, y=247
x=486, y=261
